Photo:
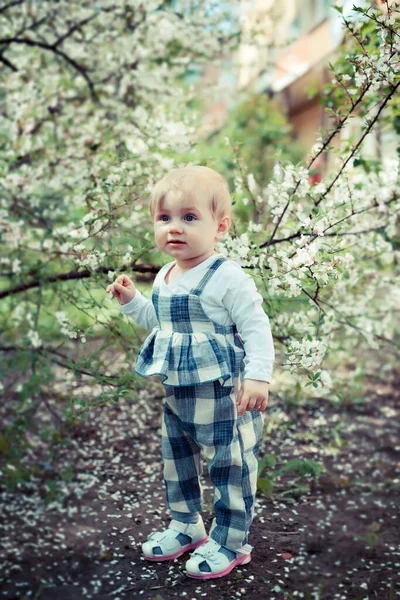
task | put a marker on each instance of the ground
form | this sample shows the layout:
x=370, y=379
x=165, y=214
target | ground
x=336, y=536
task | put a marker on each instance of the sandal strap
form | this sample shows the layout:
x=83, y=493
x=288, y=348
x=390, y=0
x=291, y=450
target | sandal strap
x=174, y=526
x=180, y=527
x=209, y=549
x=246, y=549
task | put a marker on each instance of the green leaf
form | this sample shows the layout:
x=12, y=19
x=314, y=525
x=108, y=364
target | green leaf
x=302, y=467
x=67, y=474
x=268, y=460
x=372, y=539
x=4, y=444
x=265, y=486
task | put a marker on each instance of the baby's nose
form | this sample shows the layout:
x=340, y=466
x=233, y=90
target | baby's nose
x=175, y=226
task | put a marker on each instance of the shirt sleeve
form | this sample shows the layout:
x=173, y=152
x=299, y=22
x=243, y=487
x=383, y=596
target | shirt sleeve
x=244, y=304
x=141, y=310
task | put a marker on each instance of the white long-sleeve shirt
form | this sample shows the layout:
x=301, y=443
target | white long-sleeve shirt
x=230, y=297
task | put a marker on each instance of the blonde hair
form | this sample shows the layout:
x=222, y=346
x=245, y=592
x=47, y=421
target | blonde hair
x=193, y=182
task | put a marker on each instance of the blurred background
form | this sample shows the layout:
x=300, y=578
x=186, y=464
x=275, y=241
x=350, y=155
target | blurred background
x=296, y=103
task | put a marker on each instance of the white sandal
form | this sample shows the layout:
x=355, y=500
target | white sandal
x=168, y=543
x=218, y=563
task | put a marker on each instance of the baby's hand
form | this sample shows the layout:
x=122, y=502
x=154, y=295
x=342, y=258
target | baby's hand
x=252, y=394
x=123, y=289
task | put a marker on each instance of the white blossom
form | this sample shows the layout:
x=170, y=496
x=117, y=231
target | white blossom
x=251, y=182
x=34, y=338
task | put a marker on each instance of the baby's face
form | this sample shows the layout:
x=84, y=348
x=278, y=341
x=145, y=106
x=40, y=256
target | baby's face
x=186, y=230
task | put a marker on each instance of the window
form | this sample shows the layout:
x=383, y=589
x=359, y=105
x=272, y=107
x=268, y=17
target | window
x=309, y=13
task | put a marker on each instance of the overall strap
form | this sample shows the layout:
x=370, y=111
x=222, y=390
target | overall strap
x=209, y=273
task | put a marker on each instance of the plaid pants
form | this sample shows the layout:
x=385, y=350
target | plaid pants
x=203, y=418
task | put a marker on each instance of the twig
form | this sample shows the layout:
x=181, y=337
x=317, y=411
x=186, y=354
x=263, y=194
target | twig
x=75, y=274
x=352, y=153
x=52, y=48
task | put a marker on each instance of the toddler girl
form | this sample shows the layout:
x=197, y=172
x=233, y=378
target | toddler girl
x=211, y=342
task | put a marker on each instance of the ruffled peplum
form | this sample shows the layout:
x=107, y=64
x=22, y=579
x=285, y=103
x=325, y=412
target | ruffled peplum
x=184, y=359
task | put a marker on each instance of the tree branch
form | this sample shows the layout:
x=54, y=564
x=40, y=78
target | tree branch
x=74, y=275
x=360, y=141
x=11, y=4
x=353, y=326
x=324, y=146
x=8, y=63
x=112, y=380
x=357, y=212
x=72, y=29
x=328, y=140
x=52, y=48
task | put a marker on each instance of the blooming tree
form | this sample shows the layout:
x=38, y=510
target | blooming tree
x=92, y=114
x=333, y=247
x=91, y=105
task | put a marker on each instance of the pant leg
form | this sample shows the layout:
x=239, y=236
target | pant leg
x=231, y=445
x=182, y=460
x=250, y=433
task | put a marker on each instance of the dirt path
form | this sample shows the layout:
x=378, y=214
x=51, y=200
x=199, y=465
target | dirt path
x=340, y=539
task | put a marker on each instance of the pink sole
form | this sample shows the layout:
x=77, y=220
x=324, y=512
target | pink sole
x=188, y=548
x=235, y=563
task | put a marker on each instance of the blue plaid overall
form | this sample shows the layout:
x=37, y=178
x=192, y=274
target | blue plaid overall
x=201, y=363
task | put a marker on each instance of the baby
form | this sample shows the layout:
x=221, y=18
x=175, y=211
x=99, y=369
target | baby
x=211, y=343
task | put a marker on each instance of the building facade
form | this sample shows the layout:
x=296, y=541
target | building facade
x=286, y=49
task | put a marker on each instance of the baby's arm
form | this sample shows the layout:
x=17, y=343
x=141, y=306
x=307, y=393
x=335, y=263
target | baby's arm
x=141, y=310
x=244, y=304
x=133, y=303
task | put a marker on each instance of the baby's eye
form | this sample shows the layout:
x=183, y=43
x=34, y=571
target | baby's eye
x=163, y=217
x=190, y=217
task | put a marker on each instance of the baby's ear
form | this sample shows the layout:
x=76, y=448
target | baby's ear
x=224, y=224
